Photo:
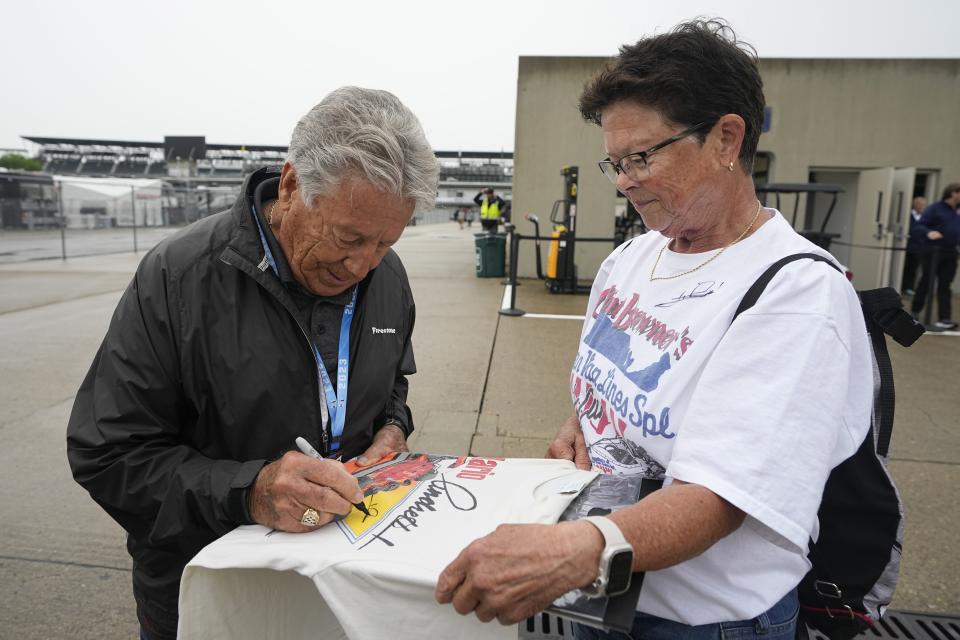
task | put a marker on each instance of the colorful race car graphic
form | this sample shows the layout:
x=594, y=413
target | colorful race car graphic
x=386, y=485
x=399, y=473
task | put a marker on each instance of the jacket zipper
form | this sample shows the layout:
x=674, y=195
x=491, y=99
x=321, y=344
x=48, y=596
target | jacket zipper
x=324, y=438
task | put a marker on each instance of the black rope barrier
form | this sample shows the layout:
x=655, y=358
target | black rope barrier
x=869, y=246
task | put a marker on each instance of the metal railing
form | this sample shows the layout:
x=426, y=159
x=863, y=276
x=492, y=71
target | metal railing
x=514, y=241
x=108, y=217
x=929, y=260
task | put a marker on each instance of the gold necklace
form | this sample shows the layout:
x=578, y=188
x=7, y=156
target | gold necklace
x=708, y=260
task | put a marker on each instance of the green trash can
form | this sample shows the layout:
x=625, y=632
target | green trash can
x=491, y=250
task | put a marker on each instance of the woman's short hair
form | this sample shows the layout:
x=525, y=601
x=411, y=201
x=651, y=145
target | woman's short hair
x=367, y=132
x=697, y=72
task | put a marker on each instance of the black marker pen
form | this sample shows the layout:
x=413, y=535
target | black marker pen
x=305, y=447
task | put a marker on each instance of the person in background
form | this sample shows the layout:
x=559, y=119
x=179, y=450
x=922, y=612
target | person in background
x=491, y=207
x=741, y=419
x=237, y=335
x=940, y=226
x=465, y=215
x=915, y=238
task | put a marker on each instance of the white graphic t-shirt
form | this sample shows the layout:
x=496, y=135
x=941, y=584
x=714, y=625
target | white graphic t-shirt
x=372, y=577
x=758, y=410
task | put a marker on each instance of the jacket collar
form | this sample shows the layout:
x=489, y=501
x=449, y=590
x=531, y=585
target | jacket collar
x=246, y=238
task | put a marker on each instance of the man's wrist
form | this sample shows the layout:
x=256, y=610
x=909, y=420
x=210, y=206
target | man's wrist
x=393, y=422
x=248, y=505
x=241, y=499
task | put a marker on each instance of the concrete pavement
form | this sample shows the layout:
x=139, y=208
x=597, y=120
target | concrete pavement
x=488, y=384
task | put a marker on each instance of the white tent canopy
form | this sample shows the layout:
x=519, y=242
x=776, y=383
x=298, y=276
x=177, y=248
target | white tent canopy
x=90, y=203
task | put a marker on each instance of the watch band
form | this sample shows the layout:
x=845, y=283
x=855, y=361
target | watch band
x=608, y=528
x=614, y=550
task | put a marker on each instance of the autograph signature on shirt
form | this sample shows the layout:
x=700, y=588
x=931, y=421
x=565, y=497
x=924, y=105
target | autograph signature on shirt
x=702, y=290
x=457, y=495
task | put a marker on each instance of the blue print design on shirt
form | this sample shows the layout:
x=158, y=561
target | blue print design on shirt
x=615, y=346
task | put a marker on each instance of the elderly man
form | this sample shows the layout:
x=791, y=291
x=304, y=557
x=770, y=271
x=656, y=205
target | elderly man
x=239, y=334
x=915, y=238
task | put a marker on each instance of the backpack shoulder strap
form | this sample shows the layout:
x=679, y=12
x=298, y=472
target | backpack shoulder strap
x=883, y=314
x=753, y=293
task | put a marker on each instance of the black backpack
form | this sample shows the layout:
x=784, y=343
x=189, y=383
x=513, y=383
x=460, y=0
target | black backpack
x=856, y=559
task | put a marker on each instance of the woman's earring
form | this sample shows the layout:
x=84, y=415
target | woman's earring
x=731, y=166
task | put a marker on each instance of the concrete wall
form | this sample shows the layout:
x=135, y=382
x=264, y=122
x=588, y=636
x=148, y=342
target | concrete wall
x=862, y=114
x=826, y=114
x=550, y=135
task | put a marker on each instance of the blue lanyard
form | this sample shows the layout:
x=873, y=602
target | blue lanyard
x=337, y=401
x=335, y=414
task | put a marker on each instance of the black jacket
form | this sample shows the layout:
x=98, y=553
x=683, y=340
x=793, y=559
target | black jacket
x=941, y=217
x=203, y=377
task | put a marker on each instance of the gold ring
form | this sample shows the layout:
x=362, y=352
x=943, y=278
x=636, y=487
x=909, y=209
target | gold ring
x=310, y=518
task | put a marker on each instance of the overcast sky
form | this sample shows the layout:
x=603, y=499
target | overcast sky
x=242, y=72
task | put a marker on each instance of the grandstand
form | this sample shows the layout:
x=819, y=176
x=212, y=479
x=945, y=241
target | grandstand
x=193, y=169
x=137, y=158
x=157, y=169
x=133, y=165
x=487, y=167
x=98, y=164
x=464, y=173
x=61, y=160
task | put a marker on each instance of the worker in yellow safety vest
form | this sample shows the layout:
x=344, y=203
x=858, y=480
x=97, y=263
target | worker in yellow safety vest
x=491, y=208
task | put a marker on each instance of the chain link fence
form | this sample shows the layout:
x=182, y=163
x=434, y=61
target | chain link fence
x=44, y=217
x=74, y=217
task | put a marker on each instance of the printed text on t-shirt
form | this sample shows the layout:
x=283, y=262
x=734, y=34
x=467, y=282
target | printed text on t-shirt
x=626, y=316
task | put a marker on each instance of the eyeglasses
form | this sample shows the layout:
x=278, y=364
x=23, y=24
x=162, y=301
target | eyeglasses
x=635, y=164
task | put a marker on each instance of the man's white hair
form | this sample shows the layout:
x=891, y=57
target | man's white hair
x=369, y=132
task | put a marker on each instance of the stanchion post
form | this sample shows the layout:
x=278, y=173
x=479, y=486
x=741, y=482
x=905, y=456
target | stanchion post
x=63, y=222
x=512, y=281
x=931, y=285
x=511, y=230
x=133, y=215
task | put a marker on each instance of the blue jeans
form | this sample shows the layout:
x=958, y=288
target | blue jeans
x=779, y=623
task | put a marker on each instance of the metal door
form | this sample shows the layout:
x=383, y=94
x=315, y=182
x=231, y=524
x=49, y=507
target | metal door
x=870, y=218
x=898, y=225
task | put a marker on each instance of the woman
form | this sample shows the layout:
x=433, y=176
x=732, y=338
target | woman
x=743, y=420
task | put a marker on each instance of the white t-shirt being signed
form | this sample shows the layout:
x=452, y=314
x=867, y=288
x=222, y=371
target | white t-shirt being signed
x=757, y=409
x=372, y=577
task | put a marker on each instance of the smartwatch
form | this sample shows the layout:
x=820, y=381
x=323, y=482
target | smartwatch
x=616, y=561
